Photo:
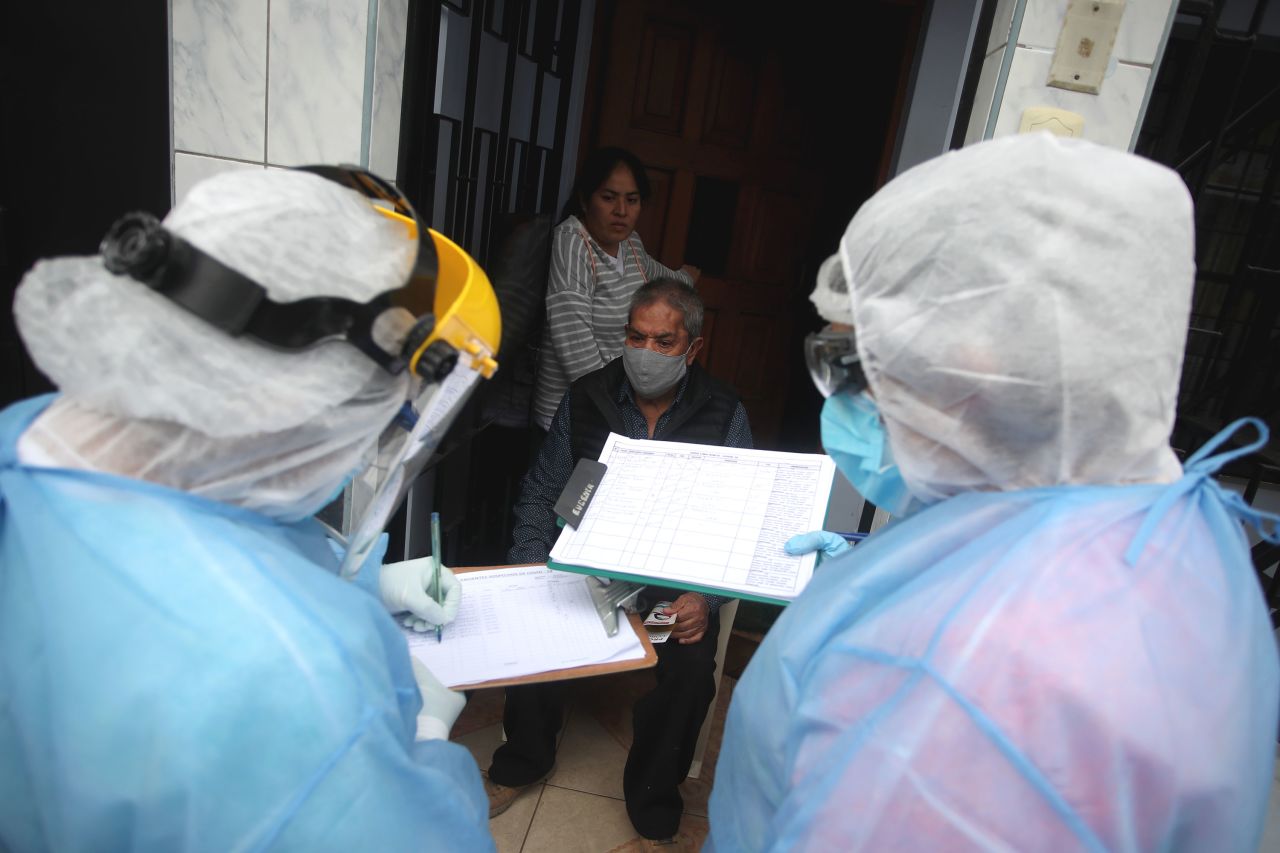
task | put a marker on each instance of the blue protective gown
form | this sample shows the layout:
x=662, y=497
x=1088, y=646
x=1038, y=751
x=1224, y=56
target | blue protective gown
x=1068, y=668
x=180, y=674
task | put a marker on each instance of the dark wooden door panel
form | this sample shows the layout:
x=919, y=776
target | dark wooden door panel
x=718, y=102
x=773, y=236
x=658, y=103
x=653, y=213
x=731, y=100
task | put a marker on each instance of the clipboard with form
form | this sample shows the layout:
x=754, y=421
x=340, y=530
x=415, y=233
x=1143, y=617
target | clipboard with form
x=524, y=624
x=698, y=517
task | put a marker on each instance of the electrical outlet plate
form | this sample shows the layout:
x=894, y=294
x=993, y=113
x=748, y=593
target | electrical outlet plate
x=1084, y=46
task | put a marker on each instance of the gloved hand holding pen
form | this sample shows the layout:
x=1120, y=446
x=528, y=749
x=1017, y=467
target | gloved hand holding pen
x=406, y=588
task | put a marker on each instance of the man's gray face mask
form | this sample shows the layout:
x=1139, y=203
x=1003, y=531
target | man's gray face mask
x=651, y=373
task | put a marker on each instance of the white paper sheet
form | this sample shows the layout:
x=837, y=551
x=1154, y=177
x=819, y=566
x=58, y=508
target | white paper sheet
x=521, y=621
x=712, y=517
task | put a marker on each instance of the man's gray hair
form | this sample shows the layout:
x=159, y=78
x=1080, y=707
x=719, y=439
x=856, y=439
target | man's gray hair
x=675, y=293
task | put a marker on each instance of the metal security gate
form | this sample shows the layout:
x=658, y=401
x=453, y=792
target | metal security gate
x=485, y=121
x=1214, y=116
x=485, y=111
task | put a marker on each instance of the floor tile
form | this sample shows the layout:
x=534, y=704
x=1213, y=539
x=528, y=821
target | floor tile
x=610, y=699
x=482, y=743
x=512, y=826
x=589, y=758
x=574, y=822
x=483, y=709
x=692, y=835
x=581, y=807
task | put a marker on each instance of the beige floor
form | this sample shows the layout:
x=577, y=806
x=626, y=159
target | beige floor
x=579, y=809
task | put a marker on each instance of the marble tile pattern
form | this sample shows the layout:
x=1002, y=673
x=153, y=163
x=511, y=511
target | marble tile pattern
x=315, y=89
x=1109, y=118
x=1138, y=41
x=220, y=77
x=388, y=84
x=191, y=169
x=1112, y=115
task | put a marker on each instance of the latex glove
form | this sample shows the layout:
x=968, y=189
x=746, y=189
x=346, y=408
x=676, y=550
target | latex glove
x=440, y=705
x=406, y=588
x=826, y=543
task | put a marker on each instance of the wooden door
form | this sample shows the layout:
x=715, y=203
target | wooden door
x=705, y=100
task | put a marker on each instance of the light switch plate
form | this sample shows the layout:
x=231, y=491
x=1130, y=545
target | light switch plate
x=1084, y=46
x=1056, y=121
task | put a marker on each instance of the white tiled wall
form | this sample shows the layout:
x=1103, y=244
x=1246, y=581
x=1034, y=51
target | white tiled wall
x=1138, y=41
x=220, y=77
x=190, y=169
x=388, y=83
x=315, y=82
x=261, y=83
x=1012, y=82
x=1109, y=118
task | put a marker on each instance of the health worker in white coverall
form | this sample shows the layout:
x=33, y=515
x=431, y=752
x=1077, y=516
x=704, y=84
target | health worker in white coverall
x=1063, y=645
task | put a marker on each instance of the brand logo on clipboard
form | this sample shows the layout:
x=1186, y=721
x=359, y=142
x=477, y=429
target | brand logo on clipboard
x=584, y=499
x=583, y=485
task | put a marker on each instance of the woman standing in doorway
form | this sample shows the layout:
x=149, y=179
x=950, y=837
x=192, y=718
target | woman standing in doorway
x=597, y=262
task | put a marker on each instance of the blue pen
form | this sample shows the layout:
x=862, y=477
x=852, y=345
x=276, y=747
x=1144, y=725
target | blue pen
x=435, y=562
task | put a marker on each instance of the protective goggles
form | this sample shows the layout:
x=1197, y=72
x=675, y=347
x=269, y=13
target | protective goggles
x=139, y=246
x=832, y=358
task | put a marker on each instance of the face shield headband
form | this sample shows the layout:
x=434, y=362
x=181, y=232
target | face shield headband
x=833, y=362
x=139, y=246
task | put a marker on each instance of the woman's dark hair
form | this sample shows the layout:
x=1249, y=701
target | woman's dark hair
x=596, y=169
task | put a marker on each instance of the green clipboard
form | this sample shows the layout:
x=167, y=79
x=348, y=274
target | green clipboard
x=669, y=582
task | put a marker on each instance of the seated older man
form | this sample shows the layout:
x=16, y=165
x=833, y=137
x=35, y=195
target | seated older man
x=654, y=391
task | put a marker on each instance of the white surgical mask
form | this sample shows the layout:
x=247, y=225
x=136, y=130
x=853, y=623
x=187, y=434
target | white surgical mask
x=652, y=373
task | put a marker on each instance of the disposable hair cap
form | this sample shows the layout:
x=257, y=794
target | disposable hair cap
x=112, y=344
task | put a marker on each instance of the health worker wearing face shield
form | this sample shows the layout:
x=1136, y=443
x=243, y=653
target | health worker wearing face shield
x=180, y=664
x=1064, y=646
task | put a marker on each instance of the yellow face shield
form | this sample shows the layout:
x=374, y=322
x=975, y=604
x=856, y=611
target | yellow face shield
x=445, y=310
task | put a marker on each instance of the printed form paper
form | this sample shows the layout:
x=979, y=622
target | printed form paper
x=707, y=516
x=520, y=621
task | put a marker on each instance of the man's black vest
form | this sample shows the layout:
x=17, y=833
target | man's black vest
x=705, y=413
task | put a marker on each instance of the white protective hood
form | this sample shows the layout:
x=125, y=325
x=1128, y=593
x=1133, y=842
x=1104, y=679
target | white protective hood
x=152, y=392
x=1021, y=308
